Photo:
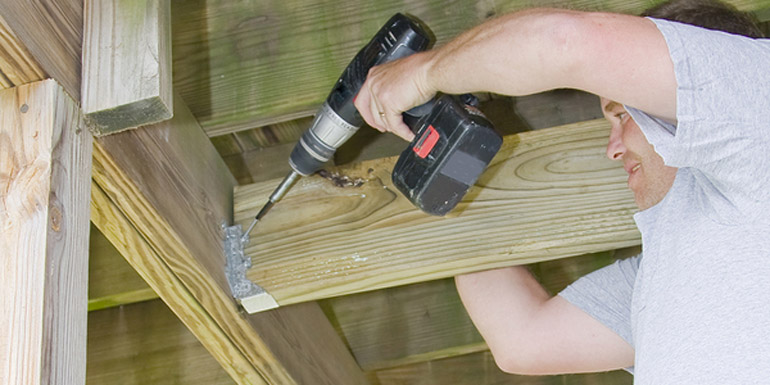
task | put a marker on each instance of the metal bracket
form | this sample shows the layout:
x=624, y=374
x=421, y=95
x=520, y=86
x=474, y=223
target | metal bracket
x=251, y=296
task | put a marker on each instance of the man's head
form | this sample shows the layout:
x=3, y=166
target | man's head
x=648, y=177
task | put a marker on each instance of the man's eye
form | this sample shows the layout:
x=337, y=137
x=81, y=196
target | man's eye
x=621, y=115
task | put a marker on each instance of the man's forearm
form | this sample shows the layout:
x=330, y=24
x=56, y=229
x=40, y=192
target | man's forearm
x=501, y=303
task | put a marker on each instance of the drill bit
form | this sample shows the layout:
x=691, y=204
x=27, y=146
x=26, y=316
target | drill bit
x=279, y=192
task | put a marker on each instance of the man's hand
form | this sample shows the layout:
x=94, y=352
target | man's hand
x=392, y=88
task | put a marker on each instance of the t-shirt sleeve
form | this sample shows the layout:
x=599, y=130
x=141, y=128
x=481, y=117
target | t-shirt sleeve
x=723, y=119
x=606, y=295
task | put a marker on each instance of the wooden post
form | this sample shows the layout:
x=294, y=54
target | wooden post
x=127, y=63
x=45, y=170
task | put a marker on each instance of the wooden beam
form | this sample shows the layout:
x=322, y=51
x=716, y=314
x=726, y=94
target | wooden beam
x=548, y=194
x=426, y=321
x=117, y=228
x=480, y=369
x=127, y=63
x=145, y=343
x=45, y=155
x=172, y=187
x=247, y=64
x=52, y=32
x=111, y=280
x=17, y=66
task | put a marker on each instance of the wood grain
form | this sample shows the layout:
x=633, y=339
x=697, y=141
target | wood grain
x=110, y=220
x=45, y=155
x=480, y=369
x=52, y=32
x=17, y=66
x=548, y=194
x=426, y=321
x=145, y=343
x=127, y=64
x=174, y=189
x=111, y=280
x=247, y=64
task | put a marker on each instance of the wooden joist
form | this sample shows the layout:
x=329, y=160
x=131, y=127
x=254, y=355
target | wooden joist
x=426, y=321
x=480, y=369
x=51, y=31
x=145, y=343
x=127, y=63
x=246, y=64
x=548, y=194
x=45, y=161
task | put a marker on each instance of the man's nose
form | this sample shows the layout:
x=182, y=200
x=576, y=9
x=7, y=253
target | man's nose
x=615, y=147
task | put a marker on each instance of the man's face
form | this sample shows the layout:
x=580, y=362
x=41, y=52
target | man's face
x=648, y=178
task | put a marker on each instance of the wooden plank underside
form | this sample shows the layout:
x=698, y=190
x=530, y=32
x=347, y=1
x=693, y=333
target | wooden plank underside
x=246, y=64
x=45, y=154
x=426, y=321
x=480, y=369
x=145, y=343
x=548, y=194
x=175, y=191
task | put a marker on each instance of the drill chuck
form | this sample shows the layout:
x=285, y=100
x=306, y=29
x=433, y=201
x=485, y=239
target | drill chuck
x=318, y=144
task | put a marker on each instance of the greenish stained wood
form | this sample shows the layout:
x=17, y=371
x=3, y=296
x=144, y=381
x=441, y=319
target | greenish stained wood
x=247, y=64
x=427, y=321
x=480, y=369
x=111, y=280
x=145, y=343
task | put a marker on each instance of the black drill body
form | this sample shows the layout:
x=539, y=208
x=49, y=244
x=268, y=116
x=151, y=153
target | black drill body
x=338, y=119
x=453, y=144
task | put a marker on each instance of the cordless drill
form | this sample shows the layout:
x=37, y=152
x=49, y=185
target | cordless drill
x=338, y=119
x=453, y=143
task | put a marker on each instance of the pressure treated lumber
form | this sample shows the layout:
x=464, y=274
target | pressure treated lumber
x=145, y=343
x=127, y=63
x=246, y=64
x=172, y=187
x=426, y=321
x=480, y=369
x=45, y=164
x=113, y=223
x=548, y=194
x=51, y=32
x=17, y=66
x=111, y=280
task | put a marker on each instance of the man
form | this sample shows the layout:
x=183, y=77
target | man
x=691, y=124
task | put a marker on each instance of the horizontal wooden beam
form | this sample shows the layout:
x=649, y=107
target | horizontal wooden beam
x=127, y=64
x=247, y=64
x=45, y=167
x=548, y=194
x=480, y=369
x=145, y=343
x=427, y=321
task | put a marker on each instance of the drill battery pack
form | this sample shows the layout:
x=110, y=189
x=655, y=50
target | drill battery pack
x=454, y=142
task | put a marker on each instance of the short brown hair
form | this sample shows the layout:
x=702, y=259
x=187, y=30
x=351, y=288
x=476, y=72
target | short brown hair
x=710, y=14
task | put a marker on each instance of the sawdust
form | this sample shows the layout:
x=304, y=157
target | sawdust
x=341, y=180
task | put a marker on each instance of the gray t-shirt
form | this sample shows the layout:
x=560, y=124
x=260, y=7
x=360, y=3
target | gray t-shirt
x=696, y=306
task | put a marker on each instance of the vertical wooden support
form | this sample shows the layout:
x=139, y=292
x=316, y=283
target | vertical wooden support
x=127, y=63
x=45, y=169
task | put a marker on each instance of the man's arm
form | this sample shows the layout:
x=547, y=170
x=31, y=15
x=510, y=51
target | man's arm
x=530, y=333
x=623, y=58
